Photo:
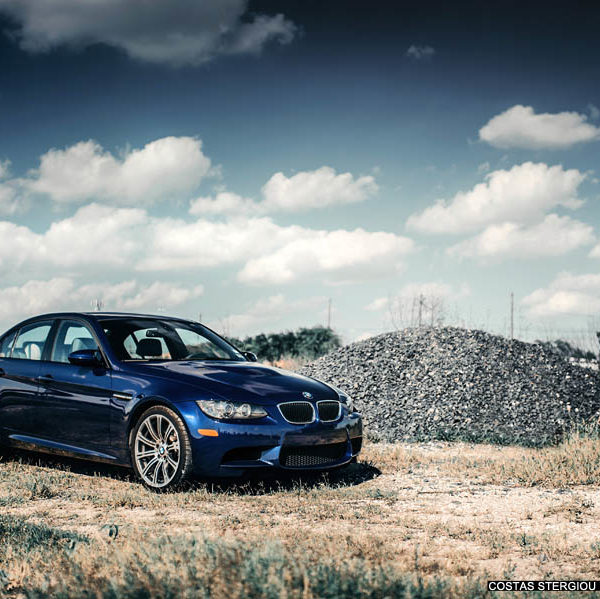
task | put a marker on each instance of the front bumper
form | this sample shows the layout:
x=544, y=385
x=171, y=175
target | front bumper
x=274, y=444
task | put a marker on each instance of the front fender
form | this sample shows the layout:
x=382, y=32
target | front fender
x=125, y=414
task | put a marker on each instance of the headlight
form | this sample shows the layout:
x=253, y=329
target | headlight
x=344, y=397
x=230, y=410
x=348, y=401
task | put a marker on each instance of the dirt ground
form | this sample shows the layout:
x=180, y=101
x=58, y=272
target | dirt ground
x=439, y=508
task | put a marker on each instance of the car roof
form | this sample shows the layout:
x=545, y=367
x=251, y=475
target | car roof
x=132, y=314
x=104, y=315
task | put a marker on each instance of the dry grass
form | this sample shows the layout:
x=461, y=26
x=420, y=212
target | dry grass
x=576, y=461
x=427, y=520
x=293, y=363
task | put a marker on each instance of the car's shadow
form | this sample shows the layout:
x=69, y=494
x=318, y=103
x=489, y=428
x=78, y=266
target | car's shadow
x=265, y=482
x=259, y=482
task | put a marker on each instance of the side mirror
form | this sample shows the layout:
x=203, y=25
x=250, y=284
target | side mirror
x=251, y=357
x=85, y=357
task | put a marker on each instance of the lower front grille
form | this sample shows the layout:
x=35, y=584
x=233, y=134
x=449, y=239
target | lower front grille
x=306, y=456
x=243, y=454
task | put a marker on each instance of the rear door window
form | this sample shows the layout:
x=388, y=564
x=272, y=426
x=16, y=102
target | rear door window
x=31, y=341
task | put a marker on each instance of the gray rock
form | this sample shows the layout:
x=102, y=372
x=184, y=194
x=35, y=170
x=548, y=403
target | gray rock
x=448, y=383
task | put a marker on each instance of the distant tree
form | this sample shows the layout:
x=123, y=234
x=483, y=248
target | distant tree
x=316, y=341
x=566, y=350
x=310, y=343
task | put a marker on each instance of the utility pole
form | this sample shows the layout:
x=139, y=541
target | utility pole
x=421, y=302
x=199, y=316
x=329, y=314
x=512, y=315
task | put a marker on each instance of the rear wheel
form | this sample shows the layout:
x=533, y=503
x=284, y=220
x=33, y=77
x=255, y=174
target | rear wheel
x=161, y=453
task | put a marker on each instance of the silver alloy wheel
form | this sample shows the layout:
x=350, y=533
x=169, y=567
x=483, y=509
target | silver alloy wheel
x=157, y=450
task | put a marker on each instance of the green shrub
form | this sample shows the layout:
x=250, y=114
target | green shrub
x=309, y=343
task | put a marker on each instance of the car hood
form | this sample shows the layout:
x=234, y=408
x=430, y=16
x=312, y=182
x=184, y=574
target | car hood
x=241, y=381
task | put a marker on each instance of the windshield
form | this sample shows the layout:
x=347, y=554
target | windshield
x=158, y=339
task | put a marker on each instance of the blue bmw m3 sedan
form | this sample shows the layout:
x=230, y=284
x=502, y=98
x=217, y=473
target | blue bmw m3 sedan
x=168, y=397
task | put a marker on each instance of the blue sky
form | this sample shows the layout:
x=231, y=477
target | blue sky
x=249, y=161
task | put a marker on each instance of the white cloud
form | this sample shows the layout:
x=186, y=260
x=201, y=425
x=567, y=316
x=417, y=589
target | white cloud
x=315, y=189
x=172, y=32
x=380, y=303
x=167, y=169
x=224, y=202
x=4, y=168
x=554, y=236
x=568, y=294
x=34, y=297
x=432, y=290
x=131, y=296
x=65, y=294
x=175, y=244
x=341, y=255
x=272, y=253
x=594, y=112
x=521, y=127
x=162, y=294
x=522, y=194
x=128, y=238
x=305, y=190
x=595, y=253
x=9, y=198
x=420, y=52
x=161, y=170
x=94, y=235
x=266, y=312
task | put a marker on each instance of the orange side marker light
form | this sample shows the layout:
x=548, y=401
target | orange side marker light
x=208, y=432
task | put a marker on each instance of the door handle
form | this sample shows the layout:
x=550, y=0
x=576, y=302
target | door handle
x=45, y=377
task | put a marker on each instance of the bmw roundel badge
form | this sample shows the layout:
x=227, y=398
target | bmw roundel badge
x=307, y=395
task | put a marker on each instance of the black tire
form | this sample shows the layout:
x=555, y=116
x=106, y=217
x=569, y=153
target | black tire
x=158, y=419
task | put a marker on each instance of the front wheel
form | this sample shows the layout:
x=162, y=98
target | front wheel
x=161, y=453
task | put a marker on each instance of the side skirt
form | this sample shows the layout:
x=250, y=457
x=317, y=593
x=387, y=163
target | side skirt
x=52, y=447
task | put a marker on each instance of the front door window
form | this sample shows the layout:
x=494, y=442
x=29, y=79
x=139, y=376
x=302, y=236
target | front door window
x=71, y=336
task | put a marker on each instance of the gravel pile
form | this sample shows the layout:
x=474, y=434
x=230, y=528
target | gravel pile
x=423, y=384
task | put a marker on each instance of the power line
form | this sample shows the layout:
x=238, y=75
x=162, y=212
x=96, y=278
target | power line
x=421, y=304
x=512, y=315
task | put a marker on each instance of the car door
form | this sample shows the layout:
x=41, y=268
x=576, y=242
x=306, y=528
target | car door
x=75, y=399
x=21, y=351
